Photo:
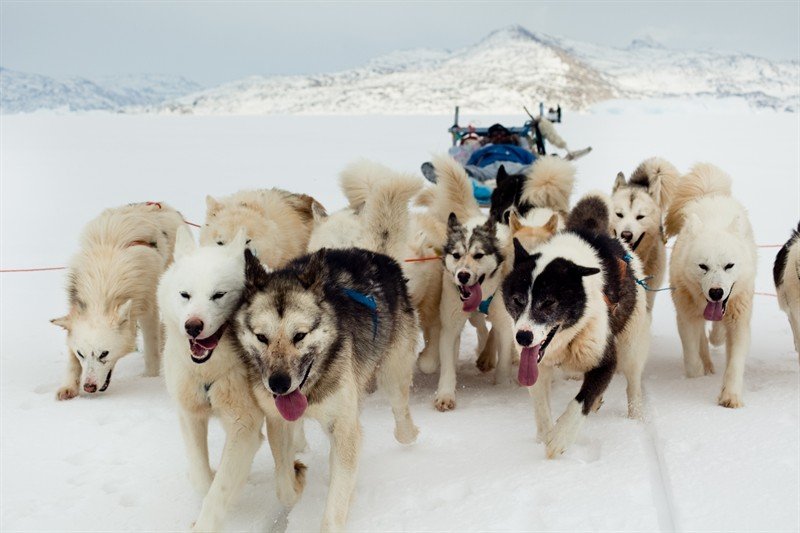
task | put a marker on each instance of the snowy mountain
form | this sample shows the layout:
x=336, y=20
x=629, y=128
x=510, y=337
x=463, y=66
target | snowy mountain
x=509, y=68
x=22, y=92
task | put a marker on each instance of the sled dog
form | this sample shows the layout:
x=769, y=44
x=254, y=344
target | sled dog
x=318, y=331
x=786, y=273
x=712, y=269
x=548, y=183
x=204, y=368
x=475, y=262
x=278, y=223
x=111, y=288
x=576, y=305
x=377, y=218
x=639, y=207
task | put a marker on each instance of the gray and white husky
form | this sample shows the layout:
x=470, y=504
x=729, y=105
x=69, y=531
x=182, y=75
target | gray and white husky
x=639, y=208
x=475, y=264
x=318, y=331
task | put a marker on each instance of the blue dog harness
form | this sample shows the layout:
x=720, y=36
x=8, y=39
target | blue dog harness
x=484, y=305
x=643, y=282
x=367, y=301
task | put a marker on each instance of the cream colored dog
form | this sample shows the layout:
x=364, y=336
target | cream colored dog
x=111, y=289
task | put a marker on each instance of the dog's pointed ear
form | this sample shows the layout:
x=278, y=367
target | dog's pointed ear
x=514, y=223
x=239, y=242
x=452, y=222
x=311, y=276
x=123, y=313
x=551, y=226
x=318, y=213
x=619, y=182
x=520, y=253
x=255, y=277
x=735, y=225
x=502, y=176
x=63, y=322
x=184, y=242
x=490, y=225
x=212, y=206
x=693, y=224
x=581, y=271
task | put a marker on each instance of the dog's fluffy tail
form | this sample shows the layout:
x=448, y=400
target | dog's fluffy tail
x=704, y=179
x=549, y=183
x=385, y=195
x=659, y=177
x=592, y=214
x=453, y=191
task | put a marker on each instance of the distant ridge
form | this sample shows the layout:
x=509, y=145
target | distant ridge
x=506, y=69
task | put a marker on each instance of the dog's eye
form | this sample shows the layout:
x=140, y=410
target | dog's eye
x=456, y=256
x=729, y=266
x=220, y=243
x=518, y=301
x=703, y=267
x=218, y=295
x=262, y=338
x=298, y=337
x=247, y=241
x=79, y=354
x=477, y=256
x=639, y=217
x=619, y=215
x=547, y=304
x=103, y=355
x=507, y=216
x=186, y=296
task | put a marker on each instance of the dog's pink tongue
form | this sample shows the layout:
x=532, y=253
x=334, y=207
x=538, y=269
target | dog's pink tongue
x=291, y=406
x=475, y=296
x=713, y=311
x=529, y=366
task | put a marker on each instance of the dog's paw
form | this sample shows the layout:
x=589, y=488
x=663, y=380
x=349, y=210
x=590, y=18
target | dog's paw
x=485, y=362
x=427, y=363
x=708, y=367
x=445, y=402
x=730, y=400
x=201, y=481
x=288, y=494
x=406, y=433
x=565, y=431
x=694, y=370
x=151, y=372
x=67, y=393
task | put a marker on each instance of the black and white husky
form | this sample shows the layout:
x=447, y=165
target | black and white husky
x=576, y=304
x=786, y=273
x=318, y=331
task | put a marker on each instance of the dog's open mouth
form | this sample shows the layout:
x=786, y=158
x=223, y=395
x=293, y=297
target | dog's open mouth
x=714, y=311
x=292, y=405
x=529, y=360
x=107, y=382
x=471, y=295
x=203, y=348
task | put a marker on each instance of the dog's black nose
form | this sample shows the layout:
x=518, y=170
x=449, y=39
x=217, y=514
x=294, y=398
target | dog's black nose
x=716, y=294
x=194, y=326
x=627, y=236
x=279, y=383
x=524, y=338
x=90, y=387
x=463, y=277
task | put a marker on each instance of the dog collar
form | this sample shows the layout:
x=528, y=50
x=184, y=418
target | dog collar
x=367, y=301
x=484, y=305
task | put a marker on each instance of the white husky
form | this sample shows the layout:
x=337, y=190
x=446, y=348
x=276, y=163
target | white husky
x=204, y=371
x=712, y=269
x=112, y=287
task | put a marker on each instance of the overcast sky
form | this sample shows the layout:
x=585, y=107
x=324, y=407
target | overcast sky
x=213, y=42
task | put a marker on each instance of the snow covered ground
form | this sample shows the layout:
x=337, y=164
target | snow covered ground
x=116, y=461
